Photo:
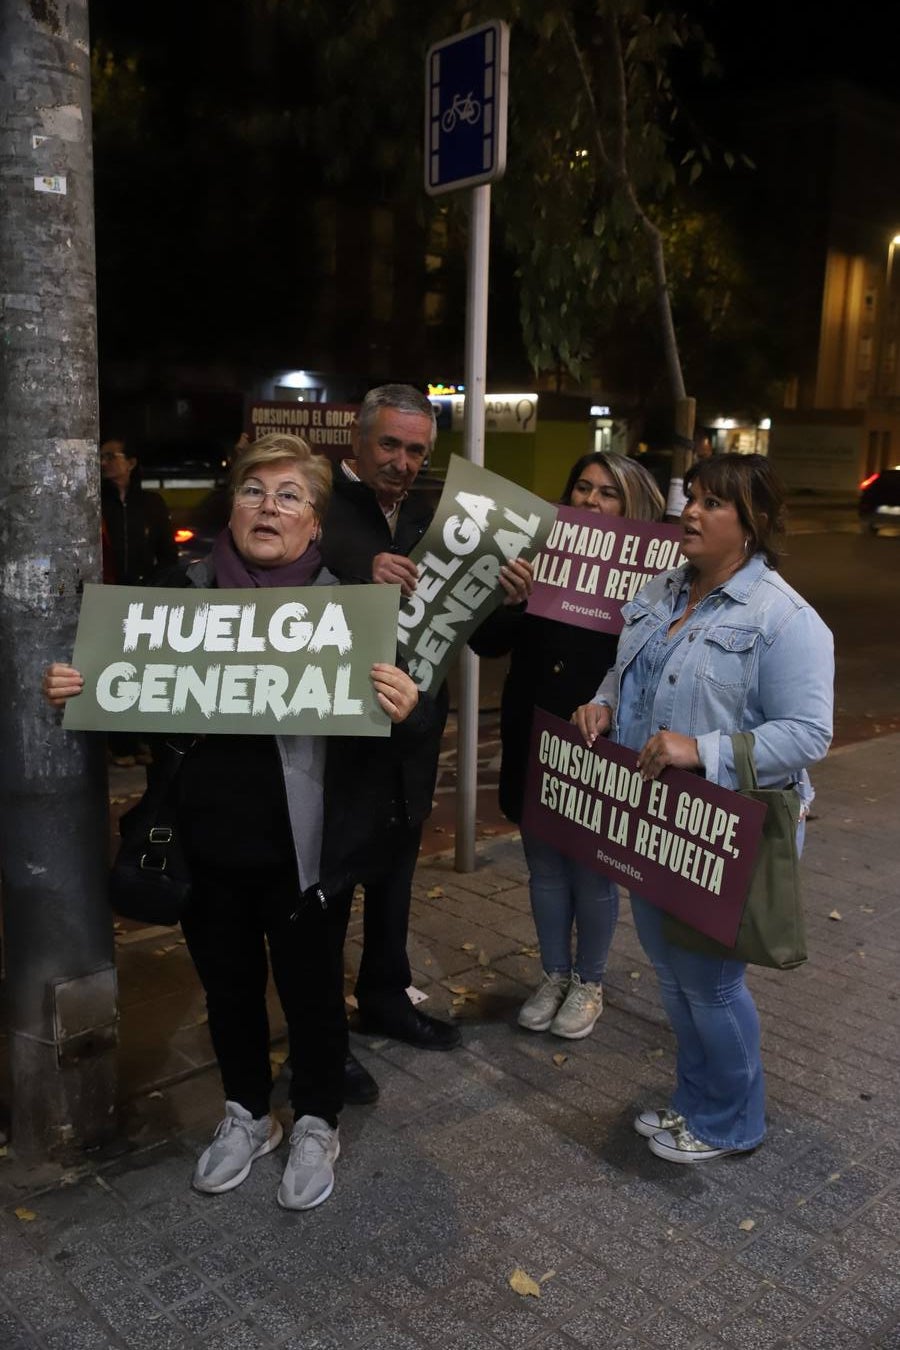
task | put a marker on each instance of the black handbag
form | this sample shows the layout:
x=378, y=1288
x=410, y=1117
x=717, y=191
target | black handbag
x=772, y=931
x=149, y=880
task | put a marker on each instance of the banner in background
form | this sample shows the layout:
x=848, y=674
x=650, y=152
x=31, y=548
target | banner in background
x=326, y=427
x=685, y=845
x=294, y=661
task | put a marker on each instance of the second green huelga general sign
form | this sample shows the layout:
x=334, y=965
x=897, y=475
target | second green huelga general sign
x=481, y=522
x=257, y=661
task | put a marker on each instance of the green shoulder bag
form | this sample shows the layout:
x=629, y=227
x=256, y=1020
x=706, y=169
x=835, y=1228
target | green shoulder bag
x=772, y=931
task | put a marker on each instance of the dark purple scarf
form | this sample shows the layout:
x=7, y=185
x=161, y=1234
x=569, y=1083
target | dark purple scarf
x=233, y=573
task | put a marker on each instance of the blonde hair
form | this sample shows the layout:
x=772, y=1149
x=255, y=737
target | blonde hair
x=278, y=446
x=640, y=493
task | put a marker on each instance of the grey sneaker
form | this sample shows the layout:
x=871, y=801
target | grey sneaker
x=238, y=1141
x=309, y=1175
x=649, y=1123
x=580, y=1009
x=538, y=1011
x=680, y=1146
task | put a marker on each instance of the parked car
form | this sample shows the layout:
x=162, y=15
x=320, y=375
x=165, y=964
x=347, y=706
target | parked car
x=879, y=500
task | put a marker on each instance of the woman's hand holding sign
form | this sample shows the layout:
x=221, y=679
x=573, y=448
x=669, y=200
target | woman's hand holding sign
x=397, y=693
x=60, y=683
x=592, y=720
x=516, y=578
x=665, y=748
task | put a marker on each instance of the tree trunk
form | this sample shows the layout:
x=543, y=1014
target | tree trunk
x=53, y=800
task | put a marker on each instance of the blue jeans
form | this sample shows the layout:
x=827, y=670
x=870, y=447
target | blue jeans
x=720, y=1089
x=566, y=895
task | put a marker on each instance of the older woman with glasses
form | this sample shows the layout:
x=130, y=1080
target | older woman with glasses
x=274, y=828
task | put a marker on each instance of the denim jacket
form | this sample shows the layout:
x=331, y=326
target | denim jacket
x=754, y=656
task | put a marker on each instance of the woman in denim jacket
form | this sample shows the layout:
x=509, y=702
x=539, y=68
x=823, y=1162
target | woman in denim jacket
x=719, y=645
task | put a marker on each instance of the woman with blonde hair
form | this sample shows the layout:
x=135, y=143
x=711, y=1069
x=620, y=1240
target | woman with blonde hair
x=555, y=666
x=274, y=830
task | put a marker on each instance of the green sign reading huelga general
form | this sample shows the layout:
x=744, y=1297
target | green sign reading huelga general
x=481, y=522
x=250, y=661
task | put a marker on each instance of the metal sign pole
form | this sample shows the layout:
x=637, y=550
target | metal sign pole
x=473, y=449
x=466, y=88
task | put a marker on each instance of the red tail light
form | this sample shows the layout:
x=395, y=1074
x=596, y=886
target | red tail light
x=867, y=482
x=183, y=536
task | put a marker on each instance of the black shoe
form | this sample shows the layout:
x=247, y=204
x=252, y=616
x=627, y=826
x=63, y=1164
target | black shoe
x=409, y=1025
x=360, y=1088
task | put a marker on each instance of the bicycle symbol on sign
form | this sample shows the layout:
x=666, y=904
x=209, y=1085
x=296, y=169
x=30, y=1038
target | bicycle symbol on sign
x=466, y=109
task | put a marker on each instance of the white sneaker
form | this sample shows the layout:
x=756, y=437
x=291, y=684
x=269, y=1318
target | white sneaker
x=680, y=1146
x=649, y=1123
x=539, y=1010
x=580, y=1009
x=309, y=1175
x=238, y=1141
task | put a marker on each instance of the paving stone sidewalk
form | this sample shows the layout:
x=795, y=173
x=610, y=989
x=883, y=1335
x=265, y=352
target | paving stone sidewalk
x=515, y=1153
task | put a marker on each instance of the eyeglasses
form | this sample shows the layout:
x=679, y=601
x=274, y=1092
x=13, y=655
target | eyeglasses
x=107, y=455
x=288, y=501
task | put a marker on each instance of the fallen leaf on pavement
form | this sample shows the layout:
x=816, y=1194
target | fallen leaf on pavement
x=467, y=947
x=867, y=909
x=835, y=914
x=459, y=989
x=155, y=1096
x=559, y=1060
x=435, y=892
x=834, y=1176
x=747, y=1225
x=654, y=1054
x=548, y=1275
x=483, y=959
x=523, y=1284
x=635, y=975
x=26, y=1215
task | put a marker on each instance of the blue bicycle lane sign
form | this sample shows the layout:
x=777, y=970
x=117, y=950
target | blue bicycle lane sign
x=466, y=83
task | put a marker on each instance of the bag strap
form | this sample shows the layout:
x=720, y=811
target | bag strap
x=744, y=763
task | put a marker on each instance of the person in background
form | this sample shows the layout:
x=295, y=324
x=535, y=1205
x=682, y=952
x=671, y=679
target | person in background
x=273, y=829
x=138, y=541
x=137, y=522
x=556, y=666
x=373, y=523
x=718, y=645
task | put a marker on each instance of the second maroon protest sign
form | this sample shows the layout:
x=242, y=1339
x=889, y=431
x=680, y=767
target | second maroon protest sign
x=685, y=845
x=591, y=564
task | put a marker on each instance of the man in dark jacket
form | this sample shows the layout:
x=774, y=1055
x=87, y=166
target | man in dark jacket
x=373, y=523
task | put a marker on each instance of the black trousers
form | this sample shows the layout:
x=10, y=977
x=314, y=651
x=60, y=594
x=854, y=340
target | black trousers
x=384, y=972
x=234, y=913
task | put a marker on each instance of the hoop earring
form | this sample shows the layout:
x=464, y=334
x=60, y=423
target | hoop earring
x=747, y=544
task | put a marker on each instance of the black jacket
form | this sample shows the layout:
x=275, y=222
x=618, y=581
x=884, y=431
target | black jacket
x=139, y=531
x=366, y=806
x=554, y=666
x=353, y=532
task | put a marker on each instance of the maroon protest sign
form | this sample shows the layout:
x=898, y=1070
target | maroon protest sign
x=592, y=564
x=324, y=426
x=685, y=845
